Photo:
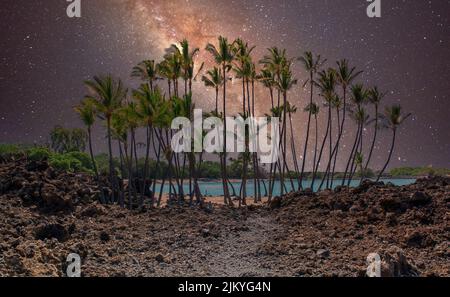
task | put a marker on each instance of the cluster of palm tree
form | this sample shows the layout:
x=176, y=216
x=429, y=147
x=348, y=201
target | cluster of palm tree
x=154, y=105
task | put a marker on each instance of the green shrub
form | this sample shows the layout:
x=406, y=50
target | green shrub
x=38, y=154
x=419, y=171
x=9, y=150
x=102, y=161
x=84, y=159
x=65, y=162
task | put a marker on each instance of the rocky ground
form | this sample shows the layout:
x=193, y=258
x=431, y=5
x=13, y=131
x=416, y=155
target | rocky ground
x=46, y=215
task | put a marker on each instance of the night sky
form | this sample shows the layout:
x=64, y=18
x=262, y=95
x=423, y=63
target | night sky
x=45, y=56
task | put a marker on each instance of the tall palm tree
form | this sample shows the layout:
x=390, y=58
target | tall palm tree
x=171, y=68
x=375, y=98
x=119, y=132
x=284, y=84
x=147, y=71
x=392, y=119
x=87, y=113
x=147, y=102
x=267, y=78
x=326, y=84
x=214, y=79
x=166, y=72
x=223, y=55
x=107, y=94
x=274, y=62
x=243, y=67
x=187, y=58
x=336, y=104
x=133, y=120
x=359, y=97
x=362, y=119
x=311, y=65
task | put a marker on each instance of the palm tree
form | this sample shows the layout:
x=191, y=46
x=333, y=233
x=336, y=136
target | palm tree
x=337, y=104
x=392, y=119
x=171, y=69
x=147, y=102
x=147, y=71
x=274, y=62
x=87, y=113
x=359, y=160
x=107, y=94
x=243, y=68
x=267, y=78
x=375, y=98
x=284, y=84
x=312, y=65
x=119, y=132
x=359, y=97
x=223, y=55
x=165, y=71
x=326, y=84
x=214, y=79
x=362, y=119
x=133, y=120
x=187, y=58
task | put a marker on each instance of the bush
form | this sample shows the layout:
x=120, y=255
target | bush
x=38, y=154
x=66, y=162
x=419, y=171
x=84, y=159
x=8, y=151
x=102, y=161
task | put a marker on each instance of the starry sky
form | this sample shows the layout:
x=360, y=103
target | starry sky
x=45, y=56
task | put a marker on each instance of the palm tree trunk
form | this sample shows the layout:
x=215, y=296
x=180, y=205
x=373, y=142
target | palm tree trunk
x=94, y=164
x=351, y=157
x=330, y=148
x=243, y=193
x=374, y=140
x=353, y=166
x=271, y=97
x=394, y=132
x=225, y=183
x=158, y=161
x=337, y=151
x=122, y=172
x=111, y=163
x=147, y=153
x=130, y=179
x=217, y=100
x=284, y=134
x=317, y=165
x=294, y=151
x=307, y=132
x=315, y=148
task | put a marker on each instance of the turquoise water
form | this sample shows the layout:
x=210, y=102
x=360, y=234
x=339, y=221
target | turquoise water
x=216, y=189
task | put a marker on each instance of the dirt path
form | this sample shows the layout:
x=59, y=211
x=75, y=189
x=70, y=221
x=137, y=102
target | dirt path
x=238, y=255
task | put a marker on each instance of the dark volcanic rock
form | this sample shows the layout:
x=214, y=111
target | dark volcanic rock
x=52, y=231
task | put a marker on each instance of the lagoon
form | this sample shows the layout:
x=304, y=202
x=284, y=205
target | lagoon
x=215, y=189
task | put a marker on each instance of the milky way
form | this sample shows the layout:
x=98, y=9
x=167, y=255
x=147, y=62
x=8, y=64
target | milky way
x=45, y=56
